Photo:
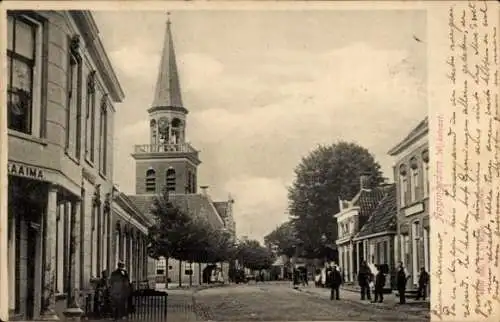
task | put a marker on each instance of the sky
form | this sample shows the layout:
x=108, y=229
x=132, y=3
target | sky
x=264, y=88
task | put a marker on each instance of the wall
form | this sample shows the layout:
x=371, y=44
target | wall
x=409, y=212
x=180, y=166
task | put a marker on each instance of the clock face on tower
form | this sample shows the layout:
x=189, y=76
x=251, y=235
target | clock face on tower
x=163, y=124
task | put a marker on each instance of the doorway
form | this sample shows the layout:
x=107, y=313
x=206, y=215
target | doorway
x=31, y=255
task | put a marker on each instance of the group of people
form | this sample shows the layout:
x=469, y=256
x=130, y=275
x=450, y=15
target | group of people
x=367, y=280
x=113, y=294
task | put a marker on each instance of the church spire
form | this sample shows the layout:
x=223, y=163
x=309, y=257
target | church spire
x=168, y=90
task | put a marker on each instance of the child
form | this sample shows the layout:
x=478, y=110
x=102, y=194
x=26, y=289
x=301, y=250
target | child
x=379, y=286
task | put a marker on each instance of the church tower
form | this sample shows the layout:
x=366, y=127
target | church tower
x=168, y=161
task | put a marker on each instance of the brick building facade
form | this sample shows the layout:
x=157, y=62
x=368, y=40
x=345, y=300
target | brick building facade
x=170, y=164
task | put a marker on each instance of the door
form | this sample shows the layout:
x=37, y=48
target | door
x=31, y=247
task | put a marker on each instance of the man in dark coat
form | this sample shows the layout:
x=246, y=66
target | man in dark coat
x=335, y=282
x=401, y=279
x=379, y=286
x=364, y=277
x=119, y=291
x=423, y=280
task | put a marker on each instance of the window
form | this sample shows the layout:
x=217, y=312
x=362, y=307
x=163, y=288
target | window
x=175, y=132
x=414, y=184
x=425, y=172
x=427, y=259
x=188, y=187
x=117, y=244
x=73, y=94
x=103, y=135
x=21, y=73
x=403, y=184
x=152, y=124
x=170, y=180
x=150, y=180
x=90, y=117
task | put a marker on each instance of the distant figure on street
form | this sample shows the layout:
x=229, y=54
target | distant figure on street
x=364, y=278
x=379, y=286
x=328, y=272
x=334, y=283
x=262, y=276
x=401, y=279
x=119, y=292
x=423, y=281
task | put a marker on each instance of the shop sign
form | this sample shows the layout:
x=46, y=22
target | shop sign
x=26, y=171
x=415, y=209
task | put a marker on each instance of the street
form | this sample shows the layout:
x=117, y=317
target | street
x=278, y=301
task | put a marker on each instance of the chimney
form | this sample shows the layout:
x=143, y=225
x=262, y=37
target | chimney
x=204, y=190
x=364, y=180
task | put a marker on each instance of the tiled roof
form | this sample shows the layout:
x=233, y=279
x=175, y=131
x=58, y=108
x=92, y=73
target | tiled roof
x=368, y=199
x=384, y=217
x=195, y=204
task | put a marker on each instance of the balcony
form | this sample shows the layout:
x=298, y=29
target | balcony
x=162, y=151
x=161, y=148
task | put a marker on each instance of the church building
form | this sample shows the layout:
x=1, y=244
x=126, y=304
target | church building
x=168, y=162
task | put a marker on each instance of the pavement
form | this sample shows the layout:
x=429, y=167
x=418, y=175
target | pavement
x=391, y=301
x=280, y=302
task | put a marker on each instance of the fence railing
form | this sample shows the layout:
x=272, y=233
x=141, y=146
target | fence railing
x=146, y=304
x=156, y=148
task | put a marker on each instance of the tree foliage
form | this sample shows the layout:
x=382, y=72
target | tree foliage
x=251, y=254
x=283, y=238
x=325, y=175
x=177, y=234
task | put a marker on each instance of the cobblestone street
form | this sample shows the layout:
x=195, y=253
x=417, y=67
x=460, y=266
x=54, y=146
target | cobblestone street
x=278, y=302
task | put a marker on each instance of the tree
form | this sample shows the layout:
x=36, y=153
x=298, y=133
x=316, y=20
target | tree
x=325, y=175
x=283, y=238
x=176, y=234
x=254, y=256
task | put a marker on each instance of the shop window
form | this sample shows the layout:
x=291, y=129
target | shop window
x=23, y=73
x=415, y=249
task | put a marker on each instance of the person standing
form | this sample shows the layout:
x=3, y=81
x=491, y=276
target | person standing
x=335, y=282
x=401, y=280
x=364, y=277
x=379, y=286
x=423, y=280
x=119, y=291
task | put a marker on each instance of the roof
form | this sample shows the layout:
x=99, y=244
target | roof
x=221, y=207
x=194, y=204
x=421, y=129
x=168, y=90
x=368, y=199
x=384, y=216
